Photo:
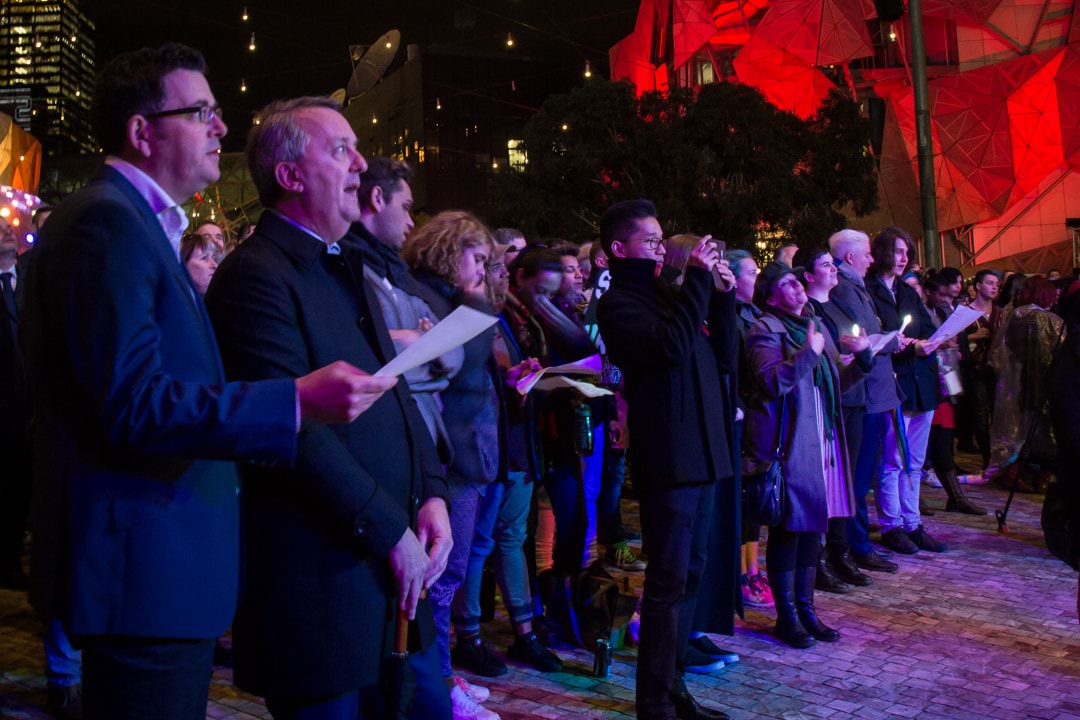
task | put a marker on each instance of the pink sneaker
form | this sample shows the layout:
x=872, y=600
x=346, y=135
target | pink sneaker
x=751, y=597
x=760, y=583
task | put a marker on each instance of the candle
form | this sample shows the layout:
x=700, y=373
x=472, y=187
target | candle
x=855, y=330
x=907, y=321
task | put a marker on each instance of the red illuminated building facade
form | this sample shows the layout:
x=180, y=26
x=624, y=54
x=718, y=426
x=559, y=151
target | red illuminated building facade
x=1004, y=101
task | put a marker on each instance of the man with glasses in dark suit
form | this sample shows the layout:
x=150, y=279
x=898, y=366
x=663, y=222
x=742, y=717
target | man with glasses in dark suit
x=136, y=532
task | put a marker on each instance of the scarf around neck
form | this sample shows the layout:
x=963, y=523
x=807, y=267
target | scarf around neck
x=797, y=328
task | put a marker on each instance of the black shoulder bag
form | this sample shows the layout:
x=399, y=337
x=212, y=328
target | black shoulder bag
x=764, y=494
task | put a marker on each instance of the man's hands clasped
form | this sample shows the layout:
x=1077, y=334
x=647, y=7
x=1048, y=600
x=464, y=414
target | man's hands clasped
x=416, y=567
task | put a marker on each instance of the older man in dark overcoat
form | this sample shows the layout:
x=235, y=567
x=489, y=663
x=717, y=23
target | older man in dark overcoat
x=335, y=545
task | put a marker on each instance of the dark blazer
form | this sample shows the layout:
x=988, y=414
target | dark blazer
x=916, y=376
x=315, y=614
x=654, y=332
x=136, y=529
x=473, y=421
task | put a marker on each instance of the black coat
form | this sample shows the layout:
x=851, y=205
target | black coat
x=676, y=412
x=315, y=614
x=917, y=376
x=1065, y=419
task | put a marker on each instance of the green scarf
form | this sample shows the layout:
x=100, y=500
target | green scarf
x=797, y=328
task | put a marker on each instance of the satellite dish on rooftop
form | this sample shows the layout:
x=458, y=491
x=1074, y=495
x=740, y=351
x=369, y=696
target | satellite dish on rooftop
x=338, y=96
x=369, y=68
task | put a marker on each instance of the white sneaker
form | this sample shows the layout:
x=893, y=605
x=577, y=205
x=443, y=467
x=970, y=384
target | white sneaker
x=465, y=708
x=930, y=478
x=476, y=692
x=976, y=479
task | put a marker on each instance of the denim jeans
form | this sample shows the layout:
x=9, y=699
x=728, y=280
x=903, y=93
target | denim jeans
x=897, y=494
x=500, y=529
x=866, y=471
x=573, y=489
x=63, y=663
x=464, y=499
x=609, y=525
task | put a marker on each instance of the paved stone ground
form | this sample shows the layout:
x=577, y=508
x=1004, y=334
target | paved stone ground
x=988, y=630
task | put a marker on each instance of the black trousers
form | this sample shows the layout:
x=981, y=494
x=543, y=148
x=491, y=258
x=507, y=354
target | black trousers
x=675, y=524
x=983, y=409
x=837, y=535
x=940, y=450
x=15, y=491
x=135, y=678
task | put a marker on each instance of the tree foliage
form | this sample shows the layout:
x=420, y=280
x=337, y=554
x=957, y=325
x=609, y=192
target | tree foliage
x=720, y=159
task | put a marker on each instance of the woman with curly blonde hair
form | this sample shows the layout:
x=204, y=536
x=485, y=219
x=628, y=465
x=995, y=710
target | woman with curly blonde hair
x=450, y=256
x=448, y=248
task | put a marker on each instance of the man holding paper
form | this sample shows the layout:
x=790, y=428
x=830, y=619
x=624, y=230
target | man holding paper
x=868, y=406
x=358, y=527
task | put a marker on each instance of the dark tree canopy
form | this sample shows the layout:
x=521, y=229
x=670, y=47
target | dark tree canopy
x=720, y=159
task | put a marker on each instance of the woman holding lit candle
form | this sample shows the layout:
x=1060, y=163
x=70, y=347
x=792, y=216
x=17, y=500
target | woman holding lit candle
x=915, y=365
x=793, y=362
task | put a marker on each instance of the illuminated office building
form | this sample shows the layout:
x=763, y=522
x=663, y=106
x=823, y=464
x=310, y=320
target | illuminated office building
x=47, y=72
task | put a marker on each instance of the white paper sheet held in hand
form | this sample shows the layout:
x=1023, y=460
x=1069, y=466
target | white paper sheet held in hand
x=456, y=329
x=560, y=381
x=962, y=317
x=878, y=341
x=591, y=365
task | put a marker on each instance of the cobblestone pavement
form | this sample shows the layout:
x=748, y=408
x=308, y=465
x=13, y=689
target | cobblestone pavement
x=987, y=630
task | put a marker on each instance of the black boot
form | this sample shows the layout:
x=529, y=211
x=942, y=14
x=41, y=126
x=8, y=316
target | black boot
x=844, y=566
x=687, y=708
x=804, y=602
x=958, y=501
x=827, y=580
x=788, y=628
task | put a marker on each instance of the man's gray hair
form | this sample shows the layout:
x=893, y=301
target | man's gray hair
x=847, y=241
x=277, y=137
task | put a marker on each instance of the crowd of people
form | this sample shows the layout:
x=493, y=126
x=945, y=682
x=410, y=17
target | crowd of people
x=154, y=371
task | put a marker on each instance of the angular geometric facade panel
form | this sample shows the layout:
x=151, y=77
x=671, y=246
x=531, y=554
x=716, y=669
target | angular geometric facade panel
x=1005, y=108
x=820, y=32
x=784, y=78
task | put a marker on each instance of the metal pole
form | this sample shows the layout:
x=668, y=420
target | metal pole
x=927, y=191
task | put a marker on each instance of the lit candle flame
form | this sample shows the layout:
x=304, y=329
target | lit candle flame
x=855, y=330
x=907, y=321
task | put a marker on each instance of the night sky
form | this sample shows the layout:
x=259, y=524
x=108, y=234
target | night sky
x=302, y=47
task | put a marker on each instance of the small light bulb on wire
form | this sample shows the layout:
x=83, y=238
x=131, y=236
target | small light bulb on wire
x=251, y=45
x=243, y=85
x=244, y=17
x=374, y=120
x=588, y=69
x=509, y=40
x=565, y=127
x=438, y=104
x=892, y=34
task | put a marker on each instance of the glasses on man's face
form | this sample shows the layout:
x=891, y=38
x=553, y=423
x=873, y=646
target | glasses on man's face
x=203, y=113
x=652, y=243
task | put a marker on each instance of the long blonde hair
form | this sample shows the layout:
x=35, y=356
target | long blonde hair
x=438, y=245
x=677, y=251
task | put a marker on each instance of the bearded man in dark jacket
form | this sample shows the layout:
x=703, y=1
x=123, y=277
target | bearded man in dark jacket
x=655, y=332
